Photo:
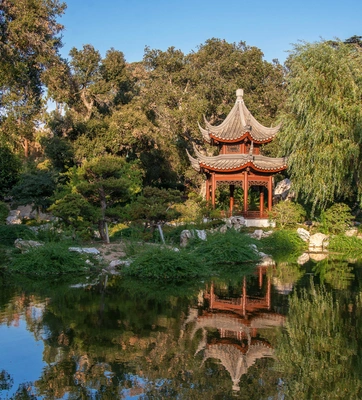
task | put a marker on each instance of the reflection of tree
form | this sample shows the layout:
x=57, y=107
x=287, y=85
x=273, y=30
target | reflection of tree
x=318, y=352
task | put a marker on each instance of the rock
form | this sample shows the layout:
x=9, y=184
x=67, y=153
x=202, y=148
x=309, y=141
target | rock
x=25, y=245
x=86, y=250
x=303, y=258
x=352, y=232
x=318, y=256
x=318, y=241
x=185, y=237
x=258, y=234
x=116, y=263
x=282, y=189
x=13, y=218
x=303, y=234
x=223, y=228
x=266, y=261
x=201, y=234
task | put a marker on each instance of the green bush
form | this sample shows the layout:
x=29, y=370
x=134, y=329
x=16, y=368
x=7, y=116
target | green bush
x=4, y=212
x=164, y=264
x=283, y=245
x=52, y=259
x=231, y=247
x=287, y=214
x=9, y=233
x=336, y=219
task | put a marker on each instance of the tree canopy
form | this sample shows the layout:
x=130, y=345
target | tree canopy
x=322, y=131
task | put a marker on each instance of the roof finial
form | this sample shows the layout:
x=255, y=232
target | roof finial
x=239, y=94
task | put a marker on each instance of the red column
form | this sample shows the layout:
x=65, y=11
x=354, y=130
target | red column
x=246, y=191
x=261, y=201
x=231, y=207
x=208, y=189
x=270, y=193
x=213, y=188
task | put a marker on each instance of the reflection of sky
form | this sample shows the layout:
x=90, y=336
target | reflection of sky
x=21, y=355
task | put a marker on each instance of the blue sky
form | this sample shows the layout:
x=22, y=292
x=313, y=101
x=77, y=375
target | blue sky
x=272, y=26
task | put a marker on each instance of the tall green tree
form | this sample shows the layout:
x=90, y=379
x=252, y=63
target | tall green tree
x=29, y=44
x=107, y=182
x=322, y=128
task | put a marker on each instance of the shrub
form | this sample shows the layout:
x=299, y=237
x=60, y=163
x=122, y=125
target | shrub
x=52, y=259
x=287, y=214
x=160, y=263
x=283, y=245
x=9, y=233
x=230, y=247
x=4, y=212
x=336, y=219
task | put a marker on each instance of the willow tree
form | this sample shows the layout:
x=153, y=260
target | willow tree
x=322, y=131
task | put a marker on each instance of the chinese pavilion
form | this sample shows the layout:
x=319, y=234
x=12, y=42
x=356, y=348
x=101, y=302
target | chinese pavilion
x=239, y=162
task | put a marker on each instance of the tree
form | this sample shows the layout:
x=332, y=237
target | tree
x=35, y=188
x=9, y=170
x=29, y=45
x=107, y=182
x=322, y=127
x=155, y=206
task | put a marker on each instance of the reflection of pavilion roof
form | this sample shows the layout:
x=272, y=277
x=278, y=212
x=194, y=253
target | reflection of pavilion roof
x=234, y=323
x=235, y=361
x=235, y=162
x=238, y=125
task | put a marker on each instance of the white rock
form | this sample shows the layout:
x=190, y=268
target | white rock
x=303, y=234
x=352, y=232
x=303, y=259
x=25, y=245
x=87, y=250
x=201, y=234
x=318, y=241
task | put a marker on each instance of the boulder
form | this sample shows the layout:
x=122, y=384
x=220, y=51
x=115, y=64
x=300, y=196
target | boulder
x=185, y=237
x=303, y=234
x=352, y=232
x=25, y=245
x=13, y=218
x=303, y=258
x=282, y=189
x=86, y=250
x=318, y=241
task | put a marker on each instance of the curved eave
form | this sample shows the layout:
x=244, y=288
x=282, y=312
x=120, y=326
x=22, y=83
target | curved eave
x=246, y=135
x=242, y=167
x=238, y=123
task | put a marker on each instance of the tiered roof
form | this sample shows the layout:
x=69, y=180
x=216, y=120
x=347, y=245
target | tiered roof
x=238, y=125
x=237, y=162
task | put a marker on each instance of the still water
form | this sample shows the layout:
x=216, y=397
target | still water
x=288, y=331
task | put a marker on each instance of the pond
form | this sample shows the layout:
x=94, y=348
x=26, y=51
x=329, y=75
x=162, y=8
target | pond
x=288, y=331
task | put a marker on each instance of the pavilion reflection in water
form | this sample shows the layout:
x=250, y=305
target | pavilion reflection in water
x=238, y=320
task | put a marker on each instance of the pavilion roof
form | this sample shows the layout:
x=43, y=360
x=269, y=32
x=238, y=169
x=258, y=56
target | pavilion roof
x=238, y=124
x=237, y=162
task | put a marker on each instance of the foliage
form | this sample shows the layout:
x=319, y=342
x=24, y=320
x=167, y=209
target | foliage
x=336, y=219
x=51, y=259
x=75, y=213
x=154, y=206
x=30, y=43
x=34, y=188
x=287, y=214
x=102, y=185
x=347, y=244
x=322, y=126
x=317, y=352
x=335, y=271
x=9, y=233
x=4, y=212
x=9, y=170
x=163, y=264
x=283, y=245
x=230, y=247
